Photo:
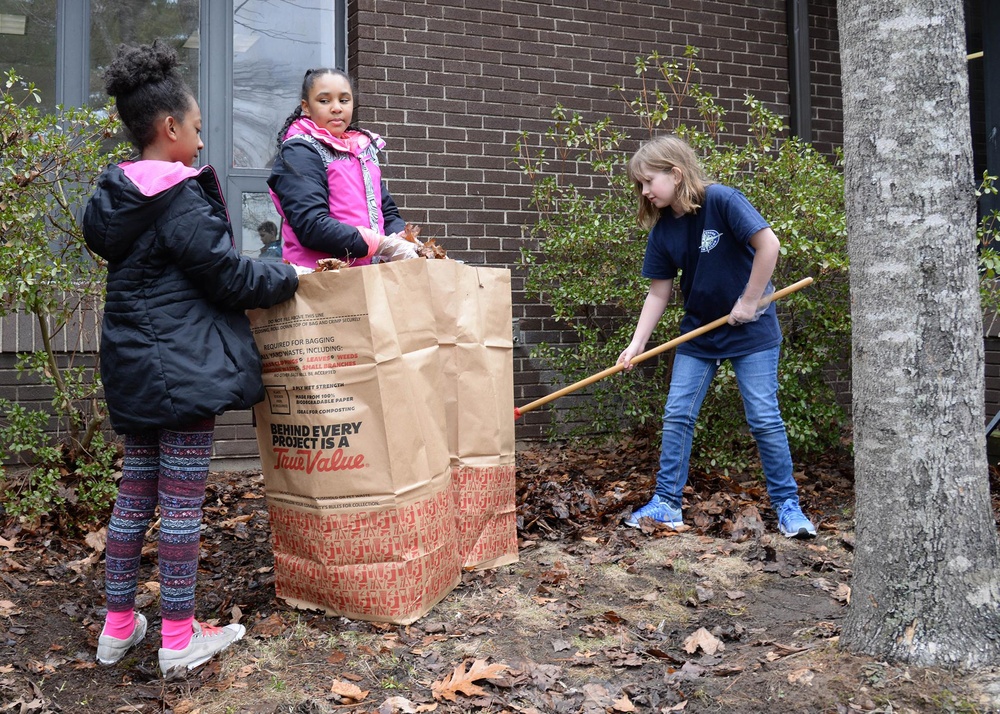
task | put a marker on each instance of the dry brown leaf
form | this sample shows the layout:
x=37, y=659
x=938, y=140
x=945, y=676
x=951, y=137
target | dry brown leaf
x=623, y=705
x=97, y=539
x=709, y=643
x=185, y=706
x=325, y=264
x=843, y=593
x=230, y=522
x=426, y=249
x=463, y=682
x=246, y=671
x=8, y=545
x=397, y=705
x=84, y=564
x=801, y=676
x=270, y=627
x=8, y=608
x=348, y=690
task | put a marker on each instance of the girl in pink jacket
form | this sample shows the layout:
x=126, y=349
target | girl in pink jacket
x=326, y=181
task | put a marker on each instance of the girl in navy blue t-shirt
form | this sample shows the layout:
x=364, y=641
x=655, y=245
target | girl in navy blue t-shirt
x=725, y=253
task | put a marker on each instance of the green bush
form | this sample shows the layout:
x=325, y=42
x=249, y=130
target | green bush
x=48, y=164
x=590, y=249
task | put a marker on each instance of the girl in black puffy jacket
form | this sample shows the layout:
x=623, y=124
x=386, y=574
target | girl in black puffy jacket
x=176, y=347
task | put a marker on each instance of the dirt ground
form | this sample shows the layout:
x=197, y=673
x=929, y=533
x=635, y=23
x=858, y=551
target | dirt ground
x=727, y=616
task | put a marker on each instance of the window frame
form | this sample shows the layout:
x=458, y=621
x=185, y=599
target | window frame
x=215, y=72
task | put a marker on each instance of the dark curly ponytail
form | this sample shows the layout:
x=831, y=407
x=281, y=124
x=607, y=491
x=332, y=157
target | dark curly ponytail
x=146, y=85
x=307, y=83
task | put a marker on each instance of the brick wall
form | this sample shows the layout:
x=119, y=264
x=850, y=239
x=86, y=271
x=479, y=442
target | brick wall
x=824, y=50
x=451, y=84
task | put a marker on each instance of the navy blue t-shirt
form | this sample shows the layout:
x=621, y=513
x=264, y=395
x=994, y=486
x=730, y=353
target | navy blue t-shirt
x=710, y=248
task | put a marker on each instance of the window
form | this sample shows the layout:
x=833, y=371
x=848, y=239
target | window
x=113, y=22
x=28, y=44
x=273, y=43
x=243, y=59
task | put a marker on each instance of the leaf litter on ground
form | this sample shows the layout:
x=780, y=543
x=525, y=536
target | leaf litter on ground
x=624, y=601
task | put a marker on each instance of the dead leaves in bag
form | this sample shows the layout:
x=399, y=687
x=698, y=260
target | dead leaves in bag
x=429, y=248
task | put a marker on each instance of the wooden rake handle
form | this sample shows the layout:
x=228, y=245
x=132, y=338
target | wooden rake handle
x=777, y=295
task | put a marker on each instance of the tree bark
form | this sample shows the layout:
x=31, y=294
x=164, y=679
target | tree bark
x=925, y=588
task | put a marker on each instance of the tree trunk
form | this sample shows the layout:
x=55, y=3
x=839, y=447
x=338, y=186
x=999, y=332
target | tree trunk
x=925, y=588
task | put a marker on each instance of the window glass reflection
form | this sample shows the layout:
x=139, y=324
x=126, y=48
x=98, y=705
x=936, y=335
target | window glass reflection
x=142, y=21
x=28, y=43
x=261, y=227
x=274, y=43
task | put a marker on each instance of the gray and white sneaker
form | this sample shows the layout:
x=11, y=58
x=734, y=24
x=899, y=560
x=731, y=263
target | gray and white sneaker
x=111, y=649
x=206, y=642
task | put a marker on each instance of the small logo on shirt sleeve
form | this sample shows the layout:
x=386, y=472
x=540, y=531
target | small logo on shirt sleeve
x=709, y=239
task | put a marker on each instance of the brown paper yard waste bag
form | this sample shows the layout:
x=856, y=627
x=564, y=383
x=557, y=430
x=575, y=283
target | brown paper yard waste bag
x=473, y=310
x=354, y=443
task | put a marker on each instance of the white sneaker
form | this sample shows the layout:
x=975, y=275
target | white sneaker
x=111, y=649
x=206, y=642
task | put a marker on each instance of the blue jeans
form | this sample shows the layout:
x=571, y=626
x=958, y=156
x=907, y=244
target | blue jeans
x=757, y=377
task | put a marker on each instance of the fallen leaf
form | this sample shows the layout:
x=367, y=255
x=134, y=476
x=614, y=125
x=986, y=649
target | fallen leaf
x=8, y=608
x=623, y=705
x=270, y=627
x=462, y=681
x=843, y=594
x=397, y=705
x=233, y=521
x=185, y=706
x=801, y=676
x=709, y=643
x=97, y=539
x=348, y=690
x=236, y=614
x=556, y=575
x=84, y=564
x=8, y=545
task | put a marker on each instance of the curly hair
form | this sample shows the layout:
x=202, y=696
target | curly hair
x=146, y=85
x=307, y=84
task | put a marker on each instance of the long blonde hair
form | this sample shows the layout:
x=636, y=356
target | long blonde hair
x=664, y=153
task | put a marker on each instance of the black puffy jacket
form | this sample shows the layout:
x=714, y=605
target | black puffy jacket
x=176, y=344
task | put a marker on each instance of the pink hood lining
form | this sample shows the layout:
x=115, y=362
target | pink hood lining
x=153, y=177
x=357, y=141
